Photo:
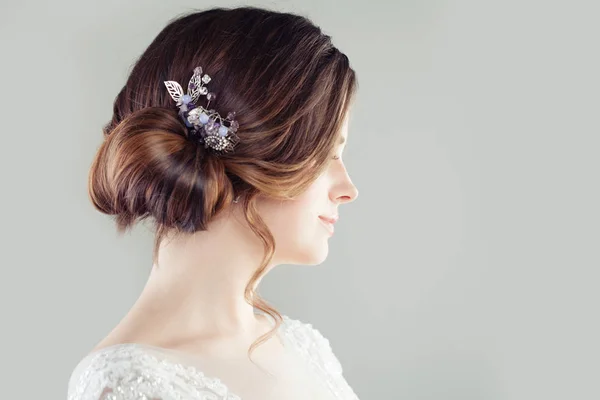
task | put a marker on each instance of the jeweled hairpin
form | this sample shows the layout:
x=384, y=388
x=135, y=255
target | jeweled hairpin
x=204, y=124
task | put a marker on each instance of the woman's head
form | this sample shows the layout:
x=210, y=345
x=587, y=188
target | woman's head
x=291, y=90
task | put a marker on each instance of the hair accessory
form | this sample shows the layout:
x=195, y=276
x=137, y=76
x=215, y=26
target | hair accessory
x=204, y=124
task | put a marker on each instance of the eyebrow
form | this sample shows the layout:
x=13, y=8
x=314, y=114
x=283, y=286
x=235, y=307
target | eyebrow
x=341, y=140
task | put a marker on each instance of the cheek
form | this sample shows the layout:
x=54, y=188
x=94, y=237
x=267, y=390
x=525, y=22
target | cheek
x=284, y=218
x=293, y=219
x=295, y=226
x=299, y=236
x=293, y=222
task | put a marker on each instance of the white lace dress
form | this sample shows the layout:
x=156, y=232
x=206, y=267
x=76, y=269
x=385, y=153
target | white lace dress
x=137, y=371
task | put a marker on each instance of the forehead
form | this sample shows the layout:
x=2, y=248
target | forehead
x=344, y=131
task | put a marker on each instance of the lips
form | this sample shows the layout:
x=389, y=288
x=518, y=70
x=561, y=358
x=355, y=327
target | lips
x=332, y=220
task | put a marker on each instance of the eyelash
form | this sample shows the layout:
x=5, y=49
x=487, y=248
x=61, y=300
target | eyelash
x=335, y=158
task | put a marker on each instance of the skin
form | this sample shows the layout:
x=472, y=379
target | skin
x=194, y=302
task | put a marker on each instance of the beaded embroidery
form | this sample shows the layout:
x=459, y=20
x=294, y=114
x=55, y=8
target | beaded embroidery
x=128, y=372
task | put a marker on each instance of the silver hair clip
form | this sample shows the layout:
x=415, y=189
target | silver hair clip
x=205, y=125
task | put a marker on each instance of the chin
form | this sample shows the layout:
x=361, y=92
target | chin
x=311, y=251
x=313, y=256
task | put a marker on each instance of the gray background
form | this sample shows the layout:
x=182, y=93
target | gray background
x=467, y=268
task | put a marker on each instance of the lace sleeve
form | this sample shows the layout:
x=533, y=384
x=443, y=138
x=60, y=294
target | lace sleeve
x=317, y=349
x=112, y=376
x=129, y=373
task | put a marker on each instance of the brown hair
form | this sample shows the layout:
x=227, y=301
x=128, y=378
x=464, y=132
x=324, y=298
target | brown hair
x=290, y=88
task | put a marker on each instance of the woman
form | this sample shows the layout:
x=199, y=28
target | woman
x=231, y=197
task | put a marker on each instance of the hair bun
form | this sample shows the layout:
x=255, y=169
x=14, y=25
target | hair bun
x=147, y=167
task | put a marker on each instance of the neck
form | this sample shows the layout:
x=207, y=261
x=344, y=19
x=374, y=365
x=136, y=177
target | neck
x=197, y=288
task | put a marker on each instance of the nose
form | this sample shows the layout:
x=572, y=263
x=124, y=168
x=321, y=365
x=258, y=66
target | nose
x=346, y=192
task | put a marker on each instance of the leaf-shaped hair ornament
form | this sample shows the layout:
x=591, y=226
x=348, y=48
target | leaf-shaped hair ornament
x=205, y=125
x=175, y=90
x=195, y=84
